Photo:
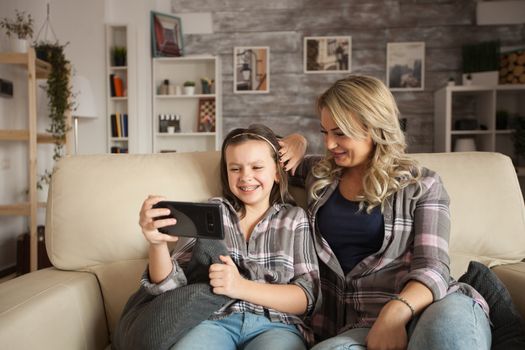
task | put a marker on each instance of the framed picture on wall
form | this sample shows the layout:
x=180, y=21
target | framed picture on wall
x=251, y=70
x=405, y=67
x=166, y=35
x=327, y=54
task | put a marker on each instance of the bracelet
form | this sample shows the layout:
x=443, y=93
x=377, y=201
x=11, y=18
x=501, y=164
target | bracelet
x=404, y=301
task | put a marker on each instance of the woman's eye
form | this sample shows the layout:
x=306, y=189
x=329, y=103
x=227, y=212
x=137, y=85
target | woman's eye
x=339, y=134
x=324, y=132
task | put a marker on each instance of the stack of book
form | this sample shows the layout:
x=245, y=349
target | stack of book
x=119, y=125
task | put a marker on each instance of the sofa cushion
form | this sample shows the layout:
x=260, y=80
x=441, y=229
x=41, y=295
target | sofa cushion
x=508, y=332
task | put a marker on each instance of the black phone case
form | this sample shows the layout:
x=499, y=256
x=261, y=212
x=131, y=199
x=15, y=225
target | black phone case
x=200, y=220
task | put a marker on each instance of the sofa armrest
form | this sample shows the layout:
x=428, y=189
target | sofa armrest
x=52, y=309
x=513, y=276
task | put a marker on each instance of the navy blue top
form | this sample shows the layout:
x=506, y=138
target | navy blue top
x=351, y=234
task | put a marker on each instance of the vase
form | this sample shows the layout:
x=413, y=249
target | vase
x=189, y=90
x=18, y=45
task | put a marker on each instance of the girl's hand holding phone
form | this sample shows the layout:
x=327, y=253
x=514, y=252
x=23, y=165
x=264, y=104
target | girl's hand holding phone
x=150, y=226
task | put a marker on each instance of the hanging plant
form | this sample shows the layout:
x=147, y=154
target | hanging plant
x=58, y=91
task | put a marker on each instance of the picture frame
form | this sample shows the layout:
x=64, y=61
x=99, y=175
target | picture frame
x=166, y=35
x=327, y=54
x=206, y=121
x=251, y=69
x=405, y=70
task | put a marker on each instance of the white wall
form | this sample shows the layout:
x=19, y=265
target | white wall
x=82, y=24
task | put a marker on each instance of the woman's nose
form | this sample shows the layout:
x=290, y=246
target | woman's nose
x=329, y=141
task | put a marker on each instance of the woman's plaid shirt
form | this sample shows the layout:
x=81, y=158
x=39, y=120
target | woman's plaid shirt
x=415, y=247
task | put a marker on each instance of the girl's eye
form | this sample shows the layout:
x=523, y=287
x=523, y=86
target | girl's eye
x=324, y=132
x=339, y=134
x=257, y=167
x=234, y=170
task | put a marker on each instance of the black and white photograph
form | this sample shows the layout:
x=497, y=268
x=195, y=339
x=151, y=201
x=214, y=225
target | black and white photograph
x=327, y=54
x=405, y=68
x=251, y=73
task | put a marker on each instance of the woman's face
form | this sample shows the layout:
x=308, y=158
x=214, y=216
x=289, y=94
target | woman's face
x=347, y=152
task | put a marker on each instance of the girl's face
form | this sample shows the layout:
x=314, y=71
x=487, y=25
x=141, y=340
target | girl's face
x=347, y=152
x=251, y=172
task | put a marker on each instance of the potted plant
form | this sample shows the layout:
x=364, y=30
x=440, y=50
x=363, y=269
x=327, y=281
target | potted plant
x=119, y=56
x=18, y=30
x=189, y=87
x=58, y=91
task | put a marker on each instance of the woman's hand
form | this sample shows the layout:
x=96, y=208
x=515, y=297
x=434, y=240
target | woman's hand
x=293, y=148
x=150, y=226
x=225, y=278
x=389, y=330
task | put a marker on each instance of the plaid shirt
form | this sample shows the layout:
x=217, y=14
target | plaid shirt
x=279, y=251
x=415, y=247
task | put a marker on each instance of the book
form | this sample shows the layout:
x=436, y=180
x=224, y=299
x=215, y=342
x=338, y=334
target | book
x=112, y=84
x=119, y=86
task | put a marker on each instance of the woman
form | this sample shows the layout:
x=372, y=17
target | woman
x=382, y=227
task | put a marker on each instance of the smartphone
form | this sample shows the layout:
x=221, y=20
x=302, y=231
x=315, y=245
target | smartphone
x=200, y=220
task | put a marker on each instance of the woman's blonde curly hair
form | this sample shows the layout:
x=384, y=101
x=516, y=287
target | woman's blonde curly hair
x=361, y=105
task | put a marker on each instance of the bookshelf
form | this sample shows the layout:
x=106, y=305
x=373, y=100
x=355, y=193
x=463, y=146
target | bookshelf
x=33, y=69
x=187, y=114
x=479, y=104
x=120, y=80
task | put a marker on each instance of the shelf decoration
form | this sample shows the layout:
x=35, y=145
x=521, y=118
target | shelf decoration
x=206, y=115
x=512, y=66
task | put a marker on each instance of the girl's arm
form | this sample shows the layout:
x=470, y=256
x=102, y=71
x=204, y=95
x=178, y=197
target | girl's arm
x=226, y=280
x=160, y=264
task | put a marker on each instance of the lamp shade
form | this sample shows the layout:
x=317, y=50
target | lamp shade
x=84, y=101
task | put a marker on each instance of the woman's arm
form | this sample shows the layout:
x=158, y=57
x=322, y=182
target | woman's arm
x=292, y=151
x=226, y=280
x=389, y=329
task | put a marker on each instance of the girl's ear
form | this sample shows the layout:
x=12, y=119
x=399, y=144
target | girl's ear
x=277, y=177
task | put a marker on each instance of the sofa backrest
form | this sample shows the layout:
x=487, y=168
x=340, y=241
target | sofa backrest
x=94, y=201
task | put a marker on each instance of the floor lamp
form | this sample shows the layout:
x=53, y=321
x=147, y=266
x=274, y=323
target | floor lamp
x=85, y=103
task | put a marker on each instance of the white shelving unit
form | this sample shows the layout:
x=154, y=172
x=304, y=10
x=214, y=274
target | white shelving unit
x=119, y=138
x=453, y=103
x=179, y=70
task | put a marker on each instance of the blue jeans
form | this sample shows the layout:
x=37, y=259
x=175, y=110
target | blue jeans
x=455, y=322
x=242, y=331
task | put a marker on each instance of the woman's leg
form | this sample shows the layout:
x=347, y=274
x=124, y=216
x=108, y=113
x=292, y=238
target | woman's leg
x=353, y=339
x=220, y=334
x=259, y=333
x=455, y=322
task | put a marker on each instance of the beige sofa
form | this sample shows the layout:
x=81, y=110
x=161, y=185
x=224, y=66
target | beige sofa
x=98, y=251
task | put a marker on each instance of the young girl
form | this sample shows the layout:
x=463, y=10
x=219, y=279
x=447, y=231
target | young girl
x=272, y=270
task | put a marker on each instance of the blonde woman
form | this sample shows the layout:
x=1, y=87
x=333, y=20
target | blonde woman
x=382, y=228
